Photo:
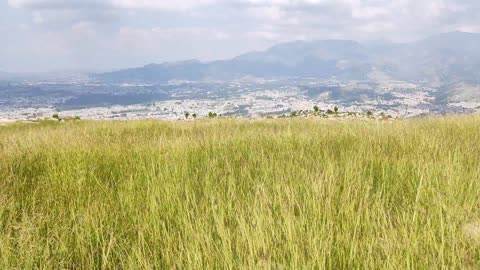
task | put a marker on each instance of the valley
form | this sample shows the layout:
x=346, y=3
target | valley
x=244, y=98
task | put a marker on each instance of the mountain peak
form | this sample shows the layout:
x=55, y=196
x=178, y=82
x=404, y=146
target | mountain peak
x=446, y=57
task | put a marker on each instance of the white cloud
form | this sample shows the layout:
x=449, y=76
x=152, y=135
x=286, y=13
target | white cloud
x=130, y=32
x=166, y=5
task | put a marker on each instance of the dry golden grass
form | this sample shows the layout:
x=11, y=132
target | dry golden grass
x=270, y=194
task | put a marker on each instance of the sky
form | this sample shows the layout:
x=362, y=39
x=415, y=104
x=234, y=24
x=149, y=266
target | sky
x=101, y=35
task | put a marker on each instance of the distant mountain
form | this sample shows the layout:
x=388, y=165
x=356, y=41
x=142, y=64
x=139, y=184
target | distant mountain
x=65, y=76
x=322, y=59
x=438, y=60
x=4, y=75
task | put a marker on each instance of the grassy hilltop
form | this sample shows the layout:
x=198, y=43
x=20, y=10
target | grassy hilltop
x=235, y=194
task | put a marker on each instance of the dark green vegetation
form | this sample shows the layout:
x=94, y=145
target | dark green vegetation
x=230, y=194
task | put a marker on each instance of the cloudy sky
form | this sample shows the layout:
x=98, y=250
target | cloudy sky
x=53, y=35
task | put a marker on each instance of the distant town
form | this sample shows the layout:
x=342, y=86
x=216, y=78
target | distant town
x=248, y=98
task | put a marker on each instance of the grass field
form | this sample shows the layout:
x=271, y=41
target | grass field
x=237, y=194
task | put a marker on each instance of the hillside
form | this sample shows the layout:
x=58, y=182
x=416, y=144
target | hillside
x=238, y=194
x=4, y=75
x=437, y=60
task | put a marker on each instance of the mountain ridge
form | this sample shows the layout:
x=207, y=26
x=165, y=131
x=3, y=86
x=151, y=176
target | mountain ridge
x=444, y=58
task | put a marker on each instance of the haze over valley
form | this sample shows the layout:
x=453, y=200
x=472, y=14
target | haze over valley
x=436, y=75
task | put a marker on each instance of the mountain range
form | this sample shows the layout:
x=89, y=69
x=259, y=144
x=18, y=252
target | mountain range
x=437, y=61
x=4, y=75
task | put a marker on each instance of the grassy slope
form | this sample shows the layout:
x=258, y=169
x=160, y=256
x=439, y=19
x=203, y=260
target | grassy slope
x=240, y=194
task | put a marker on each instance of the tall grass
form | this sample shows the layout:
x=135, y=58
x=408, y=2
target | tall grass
x=232, y=194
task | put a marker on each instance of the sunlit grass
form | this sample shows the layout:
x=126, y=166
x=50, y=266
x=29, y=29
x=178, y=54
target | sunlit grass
x=269, y=194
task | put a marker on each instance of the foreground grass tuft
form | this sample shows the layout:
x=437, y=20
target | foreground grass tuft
x=269, y=194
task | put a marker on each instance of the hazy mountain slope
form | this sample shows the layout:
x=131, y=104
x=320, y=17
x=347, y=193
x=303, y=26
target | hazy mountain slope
x=4, y=75
x=188, y=70
x=321, y=59
x=437, y=60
